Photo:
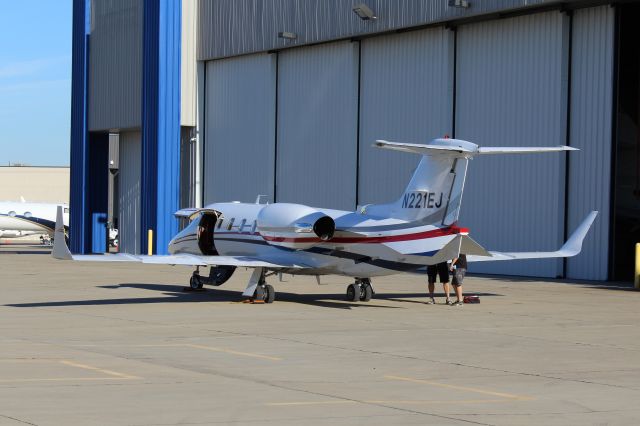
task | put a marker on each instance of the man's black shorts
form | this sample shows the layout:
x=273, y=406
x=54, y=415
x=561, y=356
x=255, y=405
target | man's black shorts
x=440, y=269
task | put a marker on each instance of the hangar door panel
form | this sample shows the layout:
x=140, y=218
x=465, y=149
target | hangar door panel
x=129, y=192
x=239, y=128
x=406, y=94
x=590, y=169
x=511, y=91
x=317, y=125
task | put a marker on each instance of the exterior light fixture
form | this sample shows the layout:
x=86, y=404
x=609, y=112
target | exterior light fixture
x=364, y=12
x=287, y=35
x=459, y=3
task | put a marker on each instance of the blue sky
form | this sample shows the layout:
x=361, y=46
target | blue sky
x=35, y=81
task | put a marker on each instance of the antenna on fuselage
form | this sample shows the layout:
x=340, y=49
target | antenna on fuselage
x=259, y=197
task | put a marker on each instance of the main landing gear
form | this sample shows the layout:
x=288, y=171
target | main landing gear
x=361, y=290
x=258, y=289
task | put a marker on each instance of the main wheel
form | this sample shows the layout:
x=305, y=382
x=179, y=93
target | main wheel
x=259, y=294
x=269, y=294
x=353, y=292
x=195, y=282
x=366, y=292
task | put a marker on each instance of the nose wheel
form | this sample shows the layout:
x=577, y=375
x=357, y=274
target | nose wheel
x=195, y=282
x=361, y=290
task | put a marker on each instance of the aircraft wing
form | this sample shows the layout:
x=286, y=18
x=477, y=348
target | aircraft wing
x=183, y=259
x=61, y=251
x=572, y=247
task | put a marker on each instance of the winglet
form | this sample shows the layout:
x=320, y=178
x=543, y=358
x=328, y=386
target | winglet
x=60, y=249
x=573, y=245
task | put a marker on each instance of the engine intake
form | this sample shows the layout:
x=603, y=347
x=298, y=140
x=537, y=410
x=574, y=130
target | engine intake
x=294, y=225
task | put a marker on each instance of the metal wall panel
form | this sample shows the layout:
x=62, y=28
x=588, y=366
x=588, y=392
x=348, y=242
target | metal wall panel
x=591, y=121
x=188, y=74
x=79, y=226
x=115, y=64
x=129, y=193
x=406, y=93
x=160, y=185
x=229, y=28
x=188, y=168
x=511, y=91
x=239, y=149
x=317, y=125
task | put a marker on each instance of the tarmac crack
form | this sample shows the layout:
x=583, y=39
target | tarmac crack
x=415, y=358
x=18, y=420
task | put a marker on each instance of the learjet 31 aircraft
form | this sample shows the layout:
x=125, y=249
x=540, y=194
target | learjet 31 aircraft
x=418, y=229
x=23, y=218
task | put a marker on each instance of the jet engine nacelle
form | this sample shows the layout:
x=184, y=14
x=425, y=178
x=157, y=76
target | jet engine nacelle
x=294, y=225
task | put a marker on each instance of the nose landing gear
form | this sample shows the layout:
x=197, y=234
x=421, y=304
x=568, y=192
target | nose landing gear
x=218, y=275
x=361, y=290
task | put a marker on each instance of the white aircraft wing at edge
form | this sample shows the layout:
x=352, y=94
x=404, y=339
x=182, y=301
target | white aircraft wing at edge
x=570, y=248
x=61, y=251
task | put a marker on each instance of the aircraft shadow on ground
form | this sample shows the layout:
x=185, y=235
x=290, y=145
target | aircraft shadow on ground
x=600, y=285
x=177, y=294
x=25, y=252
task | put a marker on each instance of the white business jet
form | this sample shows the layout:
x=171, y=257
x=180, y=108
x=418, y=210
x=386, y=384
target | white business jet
x=22, y=218
x=418, y=229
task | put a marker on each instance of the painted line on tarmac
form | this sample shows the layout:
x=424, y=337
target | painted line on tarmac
x=101, y=370
x=114, y=375
x=59, y=379
x=507, y=396
x=390, y=401
x=212, y=349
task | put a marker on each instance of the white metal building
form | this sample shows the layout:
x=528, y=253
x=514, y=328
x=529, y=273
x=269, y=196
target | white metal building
x=285, y=98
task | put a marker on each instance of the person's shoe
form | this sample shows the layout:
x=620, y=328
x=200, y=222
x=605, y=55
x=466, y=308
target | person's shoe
x=457, y=303
x=447, y=302
x=431, y=301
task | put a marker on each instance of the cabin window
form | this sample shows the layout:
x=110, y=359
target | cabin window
x=27, y=214
x=12, y=213
x=230, y=225
x=242, y=224
x=220, y=223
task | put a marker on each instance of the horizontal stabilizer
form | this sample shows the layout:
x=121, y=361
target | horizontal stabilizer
x=572, y=247
x=416, y=148
x=487, y=150
x=461, y=148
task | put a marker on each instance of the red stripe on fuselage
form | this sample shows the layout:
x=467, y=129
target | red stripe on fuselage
x=440, y=232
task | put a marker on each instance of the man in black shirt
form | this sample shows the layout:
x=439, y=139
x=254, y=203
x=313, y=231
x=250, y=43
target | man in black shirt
x=459, y=269
x=432, y=272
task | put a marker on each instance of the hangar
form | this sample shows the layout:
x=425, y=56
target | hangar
x=183, y=103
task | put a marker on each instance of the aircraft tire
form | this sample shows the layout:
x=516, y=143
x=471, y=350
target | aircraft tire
x=366, y=293
x=353, y=293
x=195, y=282
x=269, y=294
x=260, y=293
